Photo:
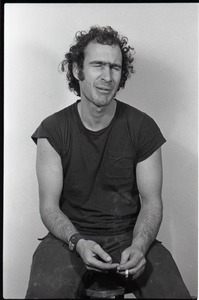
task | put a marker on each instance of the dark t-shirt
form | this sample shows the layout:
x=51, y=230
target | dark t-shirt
x=100, y=194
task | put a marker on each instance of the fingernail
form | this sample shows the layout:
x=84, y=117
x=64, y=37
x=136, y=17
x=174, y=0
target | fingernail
x=108, y=258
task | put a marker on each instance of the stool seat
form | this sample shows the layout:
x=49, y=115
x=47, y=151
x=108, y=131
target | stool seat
x=102, y=286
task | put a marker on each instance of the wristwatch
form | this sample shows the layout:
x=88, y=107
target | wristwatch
x=74, y=240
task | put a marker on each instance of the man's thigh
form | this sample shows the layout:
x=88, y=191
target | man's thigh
x=56, y=272
x=161, y=278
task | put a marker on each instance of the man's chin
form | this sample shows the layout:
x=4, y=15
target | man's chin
x=99, y=101
x=103, y=102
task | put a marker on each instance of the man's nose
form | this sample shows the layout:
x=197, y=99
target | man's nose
x=106, y=74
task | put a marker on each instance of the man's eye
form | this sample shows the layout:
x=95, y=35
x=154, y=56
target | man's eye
x=97, y=65
x=116, y=68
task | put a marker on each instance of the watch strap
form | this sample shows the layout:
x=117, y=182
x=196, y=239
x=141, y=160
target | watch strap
x=73, y=240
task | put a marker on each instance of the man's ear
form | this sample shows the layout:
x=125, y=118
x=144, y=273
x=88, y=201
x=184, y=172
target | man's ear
x=75, y=71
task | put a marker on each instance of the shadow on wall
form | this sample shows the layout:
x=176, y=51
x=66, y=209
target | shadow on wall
x=158, y=90
x=179, y=230
x=180, y=196
x=163, y=92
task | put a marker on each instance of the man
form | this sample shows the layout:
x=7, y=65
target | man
x=99, y=170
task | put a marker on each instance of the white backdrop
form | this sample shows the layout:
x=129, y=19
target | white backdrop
x=165, y=85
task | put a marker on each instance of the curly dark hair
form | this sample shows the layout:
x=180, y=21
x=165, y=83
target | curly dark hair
x=101, y=35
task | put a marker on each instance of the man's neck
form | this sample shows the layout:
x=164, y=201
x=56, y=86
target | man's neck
x=96, y=118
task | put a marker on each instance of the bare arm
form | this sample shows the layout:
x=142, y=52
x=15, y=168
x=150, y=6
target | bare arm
x=50, y=179
x=149, y=181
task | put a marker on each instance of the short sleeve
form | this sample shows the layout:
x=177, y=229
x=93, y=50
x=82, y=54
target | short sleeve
x=150, y=138
x=50, y=129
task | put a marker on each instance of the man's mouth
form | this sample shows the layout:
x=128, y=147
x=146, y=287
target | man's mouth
x=104, y=89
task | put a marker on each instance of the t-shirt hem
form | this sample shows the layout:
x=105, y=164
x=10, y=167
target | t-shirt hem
x=35, y=138
x=107, y=232
x=147, y=155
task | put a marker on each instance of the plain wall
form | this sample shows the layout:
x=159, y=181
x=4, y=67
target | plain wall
x=165, y=86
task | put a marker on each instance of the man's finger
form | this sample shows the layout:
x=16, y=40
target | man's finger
x=101, y=253
x=124, y=258
x=138, y=273
x=127, y=266
x=132, y=270
x=94, y=269
x=102, y=265
x=133, y=262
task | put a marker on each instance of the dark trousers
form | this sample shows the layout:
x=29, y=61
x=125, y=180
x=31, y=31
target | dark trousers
x=58, y=273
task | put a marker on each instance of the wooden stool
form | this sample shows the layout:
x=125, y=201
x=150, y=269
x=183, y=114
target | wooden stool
x=103, y=286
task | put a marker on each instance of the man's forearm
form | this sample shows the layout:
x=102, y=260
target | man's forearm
x=58, y=223
x=147, y=225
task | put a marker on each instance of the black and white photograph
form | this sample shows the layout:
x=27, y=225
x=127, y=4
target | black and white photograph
x=100, y=195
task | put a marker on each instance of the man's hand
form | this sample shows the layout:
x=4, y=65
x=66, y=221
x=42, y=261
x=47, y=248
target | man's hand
x=133, y=260
x=94, y=257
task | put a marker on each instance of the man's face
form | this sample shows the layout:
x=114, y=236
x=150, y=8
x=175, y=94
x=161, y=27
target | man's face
x=102, y=73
